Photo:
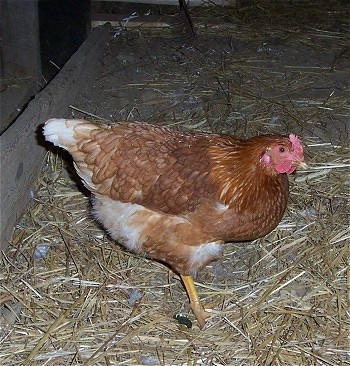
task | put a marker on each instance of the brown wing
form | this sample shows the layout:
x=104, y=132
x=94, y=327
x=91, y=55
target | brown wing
x=153, y=166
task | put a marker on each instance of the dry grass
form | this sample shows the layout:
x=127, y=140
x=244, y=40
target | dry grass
x=70, y=296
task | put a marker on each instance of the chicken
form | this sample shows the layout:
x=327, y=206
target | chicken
x=177, y=197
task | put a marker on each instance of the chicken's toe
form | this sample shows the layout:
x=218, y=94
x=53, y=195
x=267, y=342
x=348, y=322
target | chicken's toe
x=200, y=314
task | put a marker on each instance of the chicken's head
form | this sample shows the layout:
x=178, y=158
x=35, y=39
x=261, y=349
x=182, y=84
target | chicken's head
x=285, y=155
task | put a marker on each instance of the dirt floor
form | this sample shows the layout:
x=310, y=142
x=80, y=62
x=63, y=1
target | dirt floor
x=277, y=67
x=261, y=59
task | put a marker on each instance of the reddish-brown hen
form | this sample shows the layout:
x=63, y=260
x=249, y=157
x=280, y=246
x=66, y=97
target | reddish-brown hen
x=177, y=197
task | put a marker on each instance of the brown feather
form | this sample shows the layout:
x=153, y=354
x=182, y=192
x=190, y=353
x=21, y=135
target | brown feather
x=175, y=196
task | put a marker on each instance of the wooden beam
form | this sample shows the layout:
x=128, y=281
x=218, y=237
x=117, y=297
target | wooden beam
x=21, y=145
x=20, y=57
x=176, y=2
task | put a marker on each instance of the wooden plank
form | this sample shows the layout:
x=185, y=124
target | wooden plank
x=21, y=145
x=176, y=2
x=20, y=57
x=124, y=20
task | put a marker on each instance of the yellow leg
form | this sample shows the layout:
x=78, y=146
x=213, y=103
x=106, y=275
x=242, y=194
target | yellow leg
x=195, y=303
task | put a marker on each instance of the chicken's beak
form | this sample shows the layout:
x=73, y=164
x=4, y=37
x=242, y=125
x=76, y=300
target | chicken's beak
x=301, y=164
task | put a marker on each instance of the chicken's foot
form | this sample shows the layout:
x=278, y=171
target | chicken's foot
x=195, y=302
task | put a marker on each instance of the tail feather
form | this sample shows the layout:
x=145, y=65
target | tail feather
x=65, y=133
x=69, y=134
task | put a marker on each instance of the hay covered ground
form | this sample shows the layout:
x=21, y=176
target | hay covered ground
x=70, y=296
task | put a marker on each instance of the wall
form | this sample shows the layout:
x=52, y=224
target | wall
x=21, y=146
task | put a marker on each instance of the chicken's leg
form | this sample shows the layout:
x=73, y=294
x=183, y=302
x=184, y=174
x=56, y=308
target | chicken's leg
x=195, y=303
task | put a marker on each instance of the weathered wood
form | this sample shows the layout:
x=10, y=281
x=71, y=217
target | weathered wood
x=21, y=150
x=176, y=2
x=20, y=57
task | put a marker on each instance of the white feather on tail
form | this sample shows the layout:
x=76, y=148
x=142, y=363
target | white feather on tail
x=61, y=131
x=68, y=134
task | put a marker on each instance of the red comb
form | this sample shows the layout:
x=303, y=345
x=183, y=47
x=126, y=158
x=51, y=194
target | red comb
x=296, y=144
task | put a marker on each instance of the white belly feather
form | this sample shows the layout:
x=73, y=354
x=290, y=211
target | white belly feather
x=122, y=221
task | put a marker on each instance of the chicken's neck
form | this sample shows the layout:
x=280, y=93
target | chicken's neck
x=243, y=180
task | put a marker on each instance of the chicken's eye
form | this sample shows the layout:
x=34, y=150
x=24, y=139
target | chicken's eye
x=282, y=149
